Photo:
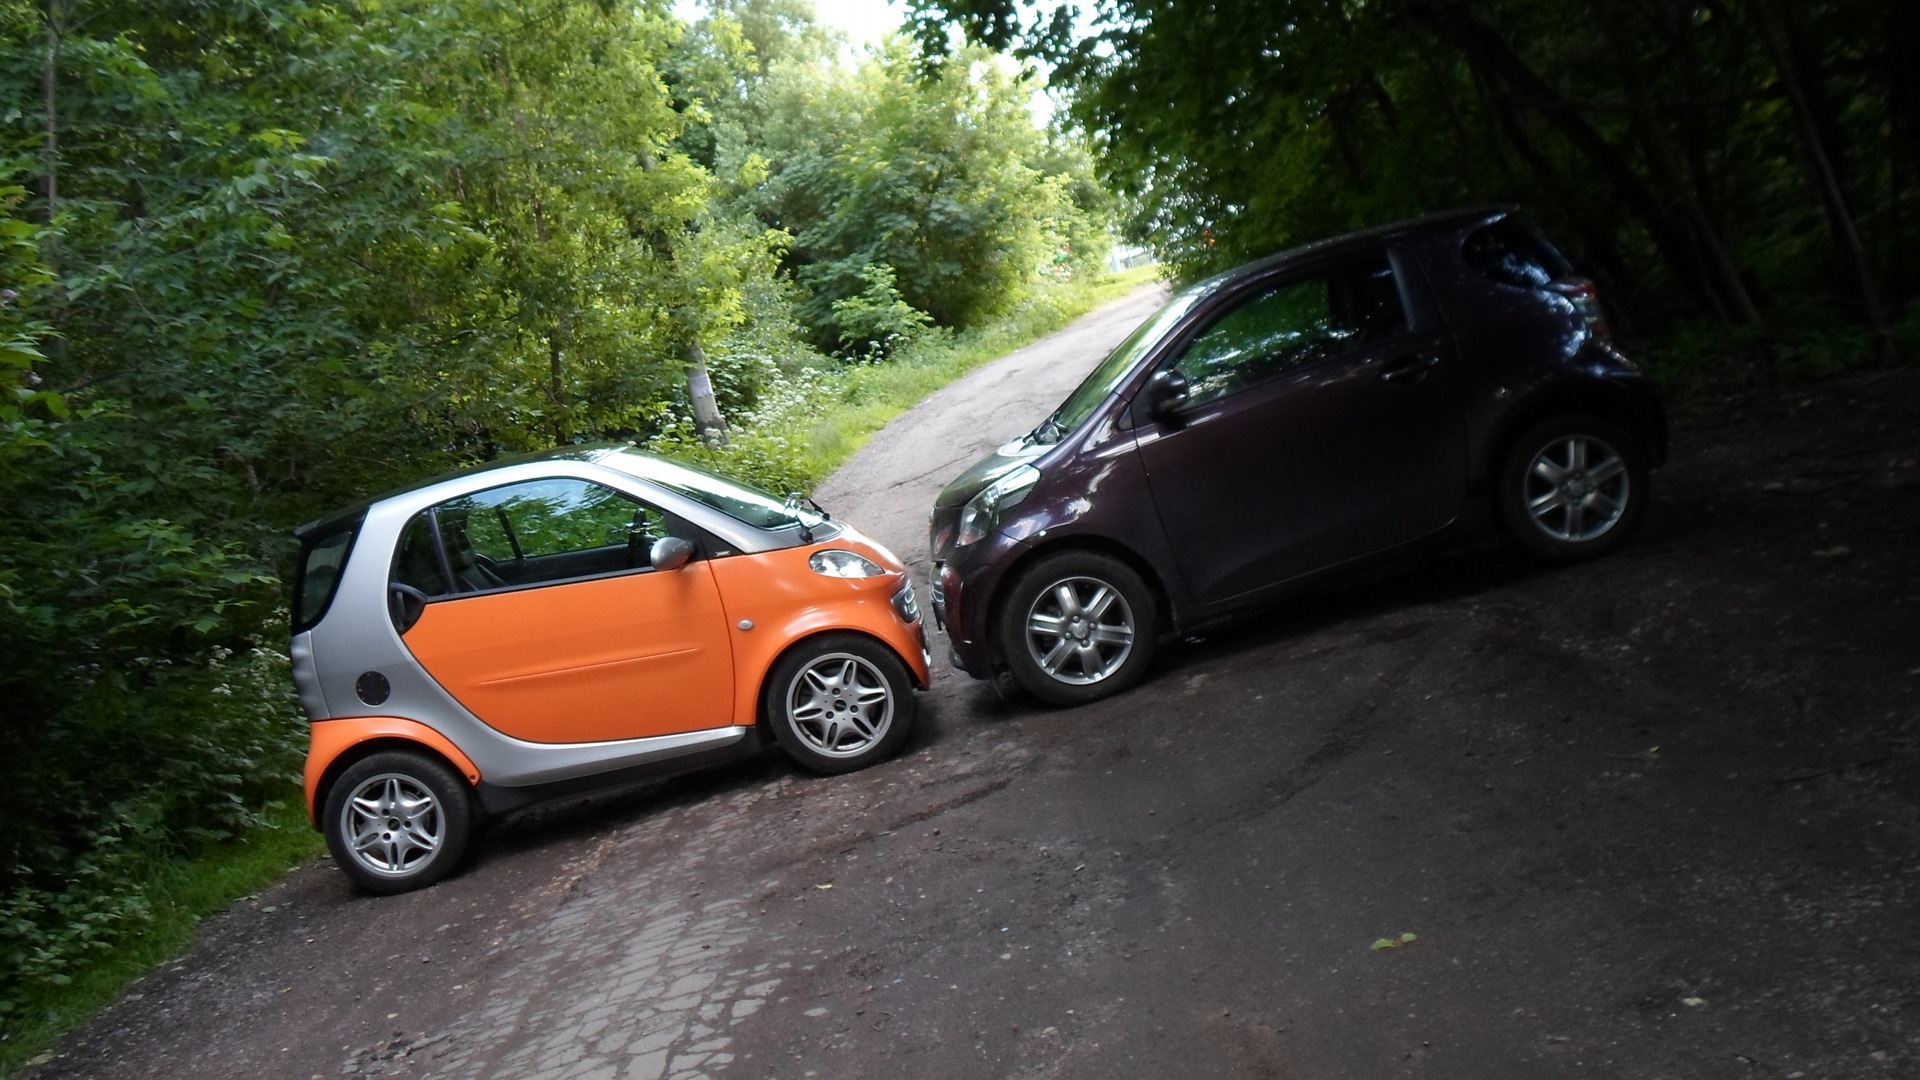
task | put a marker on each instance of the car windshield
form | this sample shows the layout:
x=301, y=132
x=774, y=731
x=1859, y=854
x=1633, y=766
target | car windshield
x=755, y=507
x=1102, y=381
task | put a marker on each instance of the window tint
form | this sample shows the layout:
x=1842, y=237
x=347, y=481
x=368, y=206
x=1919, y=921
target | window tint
x=1512, y=251
x=527, y=534
x=739, y=501
x=321, y=559
x=1291, y=325
x=418, y=561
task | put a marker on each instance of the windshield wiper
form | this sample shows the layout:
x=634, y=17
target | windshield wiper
x=793, y=508
x=1049, y=431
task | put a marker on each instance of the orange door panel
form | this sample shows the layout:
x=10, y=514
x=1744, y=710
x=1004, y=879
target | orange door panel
x=613, y=658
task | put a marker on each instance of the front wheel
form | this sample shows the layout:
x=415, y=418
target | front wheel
x=1078, y=626
x=840, y=702
x=1573, y=488
x=397, y=820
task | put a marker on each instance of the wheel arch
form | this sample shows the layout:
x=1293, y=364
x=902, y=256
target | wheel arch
x=334, y=751
x=1093, y=543
x=1592, y=398
x=763, y=724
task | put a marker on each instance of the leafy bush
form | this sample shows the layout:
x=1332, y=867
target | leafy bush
x=152, y=764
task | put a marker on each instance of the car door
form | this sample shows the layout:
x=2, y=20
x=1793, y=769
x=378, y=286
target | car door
x=545, y=618
x=1319, y=426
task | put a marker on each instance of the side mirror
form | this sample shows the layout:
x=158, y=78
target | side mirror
x=670, y=553
x=1166, y=391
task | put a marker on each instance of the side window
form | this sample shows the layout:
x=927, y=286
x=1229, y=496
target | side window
x=1293, y=324
x=527, y=534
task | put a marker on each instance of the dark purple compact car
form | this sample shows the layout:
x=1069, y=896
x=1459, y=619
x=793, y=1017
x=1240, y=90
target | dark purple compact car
x=1297, y=420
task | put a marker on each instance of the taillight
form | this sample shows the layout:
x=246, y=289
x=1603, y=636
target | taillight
x=1586, y=300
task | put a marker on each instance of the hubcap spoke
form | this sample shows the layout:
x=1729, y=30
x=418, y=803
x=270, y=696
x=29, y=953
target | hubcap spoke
x=840, y=705
x=393, y=823
x=1102, y=600
x=1050, y=663
x=1079, y=641
x=1576, y=488
x=1068, y=600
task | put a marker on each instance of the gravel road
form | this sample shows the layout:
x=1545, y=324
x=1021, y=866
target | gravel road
x=1656, y=816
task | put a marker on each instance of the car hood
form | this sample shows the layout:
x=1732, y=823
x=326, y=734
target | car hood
x=988, y=469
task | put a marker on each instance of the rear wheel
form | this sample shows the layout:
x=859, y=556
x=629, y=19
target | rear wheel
x=840, y=702
x=1078, y=626
x=1573, y=488
x=398, y=820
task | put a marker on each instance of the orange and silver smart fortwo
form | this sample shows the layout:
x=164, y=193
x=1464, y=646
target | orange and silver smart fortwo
x=575, y=620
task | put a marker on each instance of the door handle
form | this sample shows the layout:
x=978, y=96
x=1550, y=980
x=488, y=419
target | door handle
x=1408, y=368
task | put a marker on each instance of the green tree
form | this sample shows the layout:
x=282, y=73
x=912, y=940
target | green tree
x=258, y=258
x=1741, y=160
x=942, y=180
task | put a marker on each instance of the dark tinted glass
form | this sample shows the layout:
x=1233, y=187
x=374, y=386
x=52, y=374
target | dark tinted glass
x=1293, y=324
x=418, y=561
x=321, y=558
x=1512, y=251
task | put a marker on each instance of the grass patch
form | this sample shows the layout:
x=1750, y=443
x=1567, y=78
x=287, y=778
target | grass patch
x=812, y=426
x=180, y=893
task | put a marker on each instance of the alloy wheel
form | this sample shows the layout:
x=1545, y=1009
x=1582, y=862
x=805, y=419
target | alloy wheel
x=840, y=704
x=1577, y=488
x=393, y=824
x=1079, y=630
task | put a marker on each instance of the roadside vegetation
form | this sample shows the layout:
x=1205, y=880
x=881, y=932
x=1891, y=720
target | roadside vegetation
x=259, y=258
x=1741, y=177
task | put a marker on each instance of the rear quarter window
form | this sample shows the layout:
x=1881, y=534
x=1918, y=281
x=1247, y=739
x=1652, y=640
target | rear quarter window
x=322, y=556
x=1512, y=251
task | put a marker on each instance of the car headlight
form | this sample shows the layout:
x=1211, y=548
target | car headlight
x=982, y=512
x=843, y=564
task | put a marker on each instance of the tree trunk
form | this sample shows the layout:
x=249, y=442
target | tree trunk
x=555, y=355
x=1706, y=242
x=1487, y=51
x=1826, y=177
x=50, y=99
x=706, y=411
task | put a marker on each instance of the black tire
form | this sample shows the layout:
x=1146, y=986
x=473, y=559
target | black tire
x=428, y=810
x=1077, y=626
x=839, y=702
x=1573, y=488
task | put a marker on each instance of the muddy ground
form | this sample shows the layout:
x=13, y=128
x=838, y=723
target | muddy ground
x=1656, y=816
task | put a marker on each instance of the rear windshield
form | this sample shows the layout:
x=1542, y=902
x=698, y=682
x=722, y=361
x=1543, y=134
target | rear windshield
x=322, y=555
x=1512, y=251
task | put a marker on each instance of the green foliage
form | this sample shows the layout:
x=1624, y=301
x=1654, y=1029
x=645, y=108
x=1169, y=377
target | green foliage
x=945, y=184
x=878, y=320
x=154, y=762
x=1703, y=160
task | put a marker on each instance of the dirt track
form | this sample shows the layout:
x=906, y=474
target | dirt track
x=1656, y=816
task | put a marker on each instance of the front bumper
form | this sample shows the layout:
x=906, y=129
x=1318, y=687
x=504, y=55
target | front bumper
x=960, y=592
